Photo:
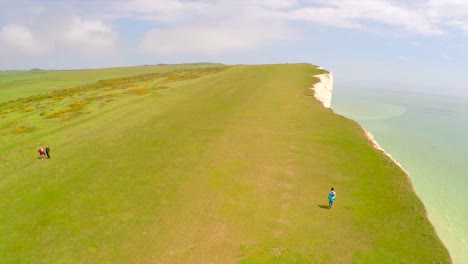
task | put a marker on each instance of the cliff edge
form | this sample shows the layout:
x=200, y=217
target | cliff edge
x=323, y=88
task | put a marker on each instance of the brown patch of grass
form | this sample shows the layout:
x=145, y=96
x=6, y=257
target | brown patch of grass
x=26, y=110
x=74, y=110
x=7, y=111
x=137, y=91
x=160, y=88
x=181, y=77
x=23, y=130
x=101, y=97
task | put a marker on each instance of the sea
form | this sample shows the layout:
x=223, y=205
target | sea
x=428, y=135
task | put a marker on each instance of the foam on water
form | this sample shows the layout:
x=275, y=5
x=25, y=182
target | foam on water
x=426, y=135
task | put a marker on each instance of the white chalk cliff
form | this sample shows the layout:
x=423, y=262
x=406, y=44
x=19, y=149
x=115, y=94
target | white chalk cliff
x=323, y=88
x=323, y=92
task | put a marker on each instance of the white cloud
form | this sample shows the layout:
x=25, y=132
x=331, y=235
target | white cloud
x=161, y=11
x=215, y=39
x=419, y=18
x=459, y=24
x=20, y=38
x=451, y=13
x=177, y=10
x=448, y=8
x=90, y=36
x=403, y=58
x=58, y=34
x=275, y=4
x=446, y=57
x=327, y=16
x=416, y=43
x=378, y=16
x=209, y=26
x=363, y=15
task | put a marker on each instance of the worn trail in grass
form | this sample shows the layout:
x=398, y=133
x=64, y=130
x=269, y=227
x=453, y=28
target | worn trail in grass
x=231, y=167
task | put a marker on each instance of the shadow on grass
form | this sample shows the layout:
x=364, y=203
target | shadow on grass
x=323, y=206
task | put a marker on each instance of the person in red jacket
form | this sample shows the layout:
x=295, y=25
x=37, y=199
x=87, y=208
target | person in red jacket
x=41, y=152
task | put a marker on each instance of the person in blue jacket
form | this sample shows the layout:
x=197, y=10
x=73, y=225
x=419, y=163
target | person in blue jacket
x=331, y=197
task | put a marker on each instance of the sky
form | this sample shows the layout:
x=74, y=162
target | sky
x=419, y=45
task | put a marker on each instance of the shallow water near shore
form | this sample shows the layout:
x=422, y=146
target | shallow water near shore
x=426, y=134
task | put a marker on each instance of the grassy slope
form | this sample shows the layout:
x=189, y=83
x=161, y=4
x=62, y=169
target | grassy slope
x=224, y=169
x=14, y=84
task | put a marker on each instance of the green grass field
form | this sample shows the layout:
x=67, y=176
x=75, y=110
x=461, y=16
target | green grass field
x=196, y=164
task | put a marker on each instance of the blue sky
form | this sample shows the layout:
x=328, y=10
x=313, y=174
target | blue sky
x=418, y=45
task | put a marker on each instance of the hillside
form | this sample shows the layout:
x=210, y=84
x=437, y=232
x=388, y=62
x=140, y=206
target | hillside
x=198, y=164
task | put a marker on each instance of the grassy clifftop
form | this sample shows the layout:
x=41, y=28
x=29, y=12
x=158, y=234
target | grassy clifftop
x=200, y=165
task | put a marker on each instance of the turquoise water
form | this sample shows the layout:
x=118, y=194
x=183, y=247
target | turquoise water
x=427, y=135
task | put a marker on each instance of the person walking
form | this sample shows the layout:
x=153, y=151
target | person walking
x=47, y=151
x=41, y=152
x=331, y=197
